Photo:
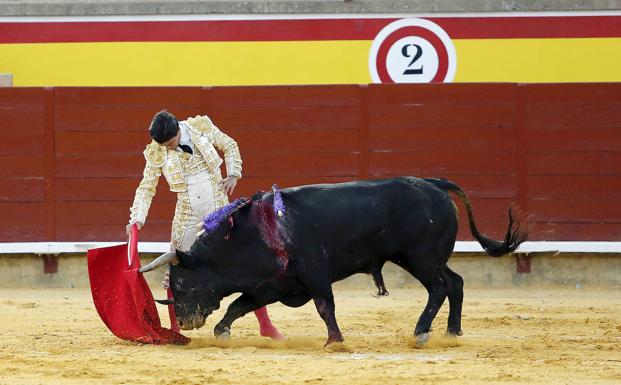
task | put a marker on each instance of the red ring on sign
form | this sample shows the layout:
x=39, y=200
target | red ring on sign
x=436, y=42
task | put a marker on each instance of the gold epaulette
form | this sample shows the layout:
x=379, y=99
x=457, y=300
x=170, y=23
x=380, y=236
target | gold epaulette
x=200, y=123
x=155, y=154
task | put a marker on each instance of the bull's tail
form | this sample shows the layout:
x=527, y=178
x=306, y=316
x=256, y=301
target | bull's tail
x=513, y=237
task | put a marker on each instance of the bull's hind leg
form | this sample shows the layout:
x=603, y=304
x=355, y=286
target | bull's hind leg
x=378, y=278
x=437, y=290
x=456, y=298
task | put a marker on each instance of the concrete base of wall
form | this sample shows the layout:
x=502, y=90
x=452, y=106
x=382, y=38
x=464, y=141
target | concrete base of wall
x=197, y=7
x=565, y=269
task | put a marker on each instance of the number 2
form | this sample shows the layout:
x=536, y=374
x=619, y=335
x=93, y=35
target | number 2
x=419, y=53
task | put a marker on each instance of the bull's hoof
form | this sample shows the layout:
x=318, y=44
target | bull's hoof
x=453, y=333
x=338, y=347
x=334, y=340
x=223, y=335
x=422, y=339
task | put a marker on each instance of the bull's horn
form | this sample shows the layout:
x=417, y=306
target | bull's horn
x=170, y=257
x=168, y=301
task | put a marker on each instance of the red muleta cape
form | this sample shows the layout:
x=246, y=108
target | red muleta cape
x=123, y=299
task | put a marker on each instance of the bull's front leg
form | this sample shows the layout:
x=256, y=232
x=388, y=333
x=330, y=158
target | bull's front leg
x=237, y=309
x=325, y=307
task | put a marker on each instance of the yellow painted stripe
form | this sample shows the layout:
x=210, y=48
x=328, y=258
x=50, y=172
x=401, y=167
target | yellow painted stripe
x=296, y=62
x=538, y=60
x=184, y=64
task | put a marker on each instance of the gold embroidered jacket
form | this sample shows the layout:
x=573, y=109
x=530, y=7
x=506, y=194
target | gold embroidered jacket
x=159, y=160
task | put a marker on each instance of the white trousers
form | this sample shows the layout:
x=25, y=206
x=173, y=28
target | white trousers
x=202, y=202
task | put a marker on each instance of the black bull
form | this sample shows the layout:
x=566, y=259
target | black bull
x=327, y=233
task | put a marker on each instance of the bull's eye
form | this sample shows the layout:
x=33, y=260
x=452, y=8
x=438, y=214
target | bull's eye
x=177, y=284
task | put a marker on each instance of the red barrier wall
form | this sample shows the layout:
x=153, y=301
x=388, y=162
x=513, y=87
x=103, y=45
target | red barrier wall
x=72, y=156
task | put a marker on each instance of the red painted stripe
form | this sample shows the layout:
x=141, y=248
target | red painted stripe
x=531, y=27
x=216, y=30
x=303, y=29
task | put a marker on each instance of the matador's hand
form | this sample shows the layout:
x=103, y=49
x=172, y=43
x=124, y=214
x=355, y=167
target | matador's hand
x=128, y=228
x=229, y=184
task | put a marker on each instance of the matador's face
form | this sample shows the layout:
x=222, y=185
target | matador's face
x=173, y=142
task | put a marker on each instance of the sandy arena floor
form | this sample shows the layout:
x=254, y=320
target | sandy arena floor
x=518, y=336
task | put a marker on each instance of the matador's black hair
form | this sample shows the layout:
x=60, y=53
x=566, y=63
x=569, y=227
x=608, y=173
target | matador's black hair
x=164, y=127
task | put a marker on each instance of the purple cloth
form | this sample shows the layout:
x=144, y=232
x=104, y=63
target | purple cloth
x=213, y=220
x=279, y=206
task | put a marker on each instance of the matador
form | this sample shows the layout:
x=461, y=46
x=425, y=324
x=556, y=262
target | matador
x=186, y=153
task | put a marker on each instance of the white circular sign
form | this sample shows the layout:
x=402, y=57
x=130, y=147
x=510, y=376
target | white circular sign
x=412, y=51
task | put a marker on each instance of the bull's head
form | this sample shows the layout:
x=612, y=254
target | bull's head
x=230, y=258
x=196, y=290
x=212, y=269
